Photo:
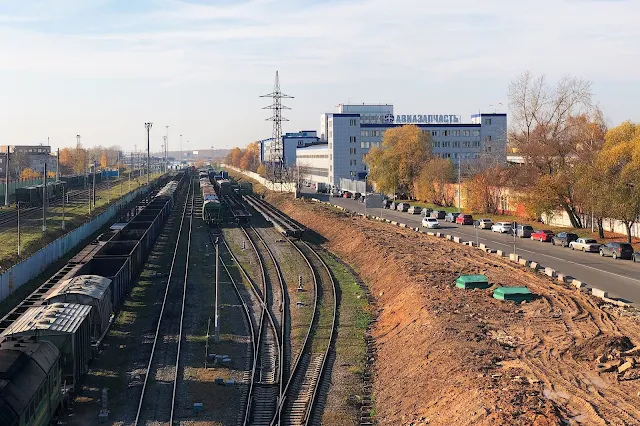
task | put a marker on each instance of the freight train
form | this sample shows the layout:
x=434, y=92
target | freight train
x=32, y=196
x=47, y=341
x=212, y=212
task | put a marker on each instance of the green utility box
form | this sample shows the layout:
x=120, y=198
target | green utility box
x=472, y=281
x=515, y=294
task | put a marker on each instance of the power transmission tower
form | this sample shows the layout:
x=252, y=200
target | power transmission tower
x=277, y=167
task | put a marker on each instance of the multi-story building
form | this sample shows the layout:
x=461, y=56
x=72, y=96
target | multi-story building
x=26, y=156
x=290, y=142
x=355, y=129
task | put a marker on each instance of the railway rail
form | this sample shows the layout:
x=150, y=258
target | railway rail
x=237, y=209
x=266, y=369
x=158, y=396
x=284, y=224
x=299, y=397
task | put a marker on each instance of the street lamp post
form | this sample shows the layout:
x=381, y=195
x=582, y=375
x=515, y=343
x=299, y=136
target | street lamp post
x=148, y=127
x=18, y=208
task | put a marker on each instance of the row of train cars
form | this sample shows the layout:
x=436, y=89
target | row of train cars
x=48, y=340
x=217, y=189
x=32, y=196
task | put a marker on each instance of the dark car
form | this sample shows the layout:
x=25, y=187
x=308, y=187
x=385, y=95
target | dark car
x=617, y=250
x=543, y=235
x=564, y=239
x=450, y=217
x=464, y=219
x=357, y=196
x=386, y=203
x=438, y=214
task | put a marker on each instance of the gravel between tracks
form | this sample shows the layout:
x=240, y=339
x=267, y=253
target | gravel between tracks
x=448, y=356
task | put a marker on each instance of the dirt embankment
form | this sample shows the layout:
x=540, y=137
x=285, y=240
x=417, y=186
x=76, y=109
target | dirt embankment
x=448, y=356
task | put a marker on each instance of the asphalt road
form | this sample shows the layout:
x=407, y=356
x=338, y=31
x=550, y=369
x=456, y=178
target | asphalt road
x=621, y=278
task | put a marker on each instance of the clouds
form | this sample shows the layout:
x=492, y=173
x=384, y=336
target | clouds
x=413, y=52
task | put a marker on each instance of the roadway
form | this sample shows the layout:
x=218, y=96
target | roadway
x=621, y=278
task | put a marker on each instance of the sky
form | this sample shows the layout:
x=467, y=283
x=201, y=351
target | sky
x=102, y=68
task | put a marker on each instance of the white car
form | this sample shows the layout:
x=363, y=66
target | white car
x=430, y=222
x=502, y=227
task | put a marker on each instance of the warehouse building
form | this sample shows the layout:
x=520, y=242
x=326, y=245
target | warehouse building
x=290, y=143
x=348, y=135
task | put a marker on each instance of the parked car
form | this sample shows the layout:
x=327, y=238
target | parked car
x=415, y=210
x=524, y=231
x=357, y=195
x=483, y=223
x=464, y=219
x=544, y=235
x=450, y=217
x=426, y=212
x=503, y=227
x=393, y=205
x=386, y=204
x=402, y=207
x=585, y=244
x=636, y=256
x=617, y=250
x=439, y=214
x=347, y=194
x=564, y=239
x=430, y=222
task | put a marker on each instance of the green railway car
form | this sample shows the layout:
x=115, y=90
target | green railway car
x=212, y=212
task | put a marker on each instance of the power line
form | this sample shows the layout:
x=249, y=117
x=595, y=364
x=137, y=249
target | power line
x=276, y=148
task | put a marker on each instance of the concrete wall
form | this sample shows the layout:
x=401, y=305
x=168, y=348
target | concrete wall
x=561, y=218
x=33, y=266
x=285, y=187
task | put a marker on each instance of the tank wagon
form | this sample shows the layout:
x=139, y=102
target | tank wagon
x=71, y=312
x=30, y=381
x=212, y=212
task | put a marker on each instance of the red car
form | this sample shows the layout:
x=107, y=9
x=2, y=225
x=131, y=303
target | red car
x=544, y=235
x=347, y=194
x=464, y=219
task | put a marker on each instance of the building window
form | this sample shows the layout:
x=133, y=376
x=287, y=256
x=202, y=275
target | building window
x=330, y=133
x=466, y=133
x=361, y=144
x=475, y=133
x=455, y=155
x=352, y=122
x=488, y=149
x=352, y=139
x=456, y=133
x=446, y=132
x=476, y=155
x=446, y=144
x=487, y=121
x=352, y=151
x=476, y=144
x=434, y=133
x=467, y=144
x=456, y=144
x=488, y=138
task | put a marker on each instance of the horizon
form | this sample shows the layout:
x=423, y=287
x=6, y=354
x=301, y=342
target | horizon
x=103, y=68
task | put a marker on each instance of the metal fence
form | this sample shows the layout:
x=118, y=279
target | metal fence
x=30, y=268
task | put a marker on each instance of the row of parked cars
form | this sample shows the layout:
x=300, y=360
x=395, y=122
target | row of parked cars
x=570, y=240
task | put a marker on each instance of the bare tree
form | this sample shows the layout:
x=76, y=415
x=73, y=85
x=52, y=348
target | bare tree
x=546, y=131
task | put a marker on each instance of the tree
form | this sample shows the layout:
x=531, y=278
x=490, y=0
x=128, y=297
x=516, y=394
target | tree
x=619, y=161
x=262, y=171
x=103, y=160
x=29, y=174
x=548, y=133
x=18, y=161
x=431, y=184
x=395, y=165
x=251, y=157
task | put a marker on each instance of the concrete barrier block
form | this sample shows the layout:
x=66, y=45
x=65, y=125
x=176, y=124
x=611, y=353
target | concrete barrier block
x=514, y=257
x=562, y=279
x=482, y=246
x=499, y=253
x=578, y=284
x=534, y=265
x=439, y=234
x=523, y=262
x=550, y=272
x=471, y=243
x=599, y=293
x=617, y=302
x=449, y=237
x=402, y=225
x=456, y=239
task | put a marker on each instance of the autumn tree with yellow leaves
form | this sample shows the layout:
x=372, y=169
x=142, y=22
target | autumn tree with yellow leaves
x=397, y=163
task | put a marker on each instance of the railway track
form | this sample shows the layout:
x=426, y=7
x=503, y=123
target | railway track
x=76, y=197
x=266, y=370
x=298, y=399
x=158, y=396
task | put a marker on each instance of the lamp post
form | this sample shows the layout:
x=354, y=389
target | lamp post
x=166, y=150
x=148, y=127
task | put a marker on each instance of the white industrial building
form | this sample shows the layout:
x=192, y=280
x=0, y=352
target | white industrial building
x=347, y=136
x=290, y=142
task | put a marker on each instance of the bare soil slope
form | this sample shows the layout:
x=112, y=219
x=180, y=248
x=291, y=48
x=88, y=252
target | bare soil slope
x=449, y=356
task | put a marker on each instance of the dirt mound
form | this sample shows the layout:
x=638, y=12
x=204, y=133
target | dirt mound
x=448, y=356
x=597, y=346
